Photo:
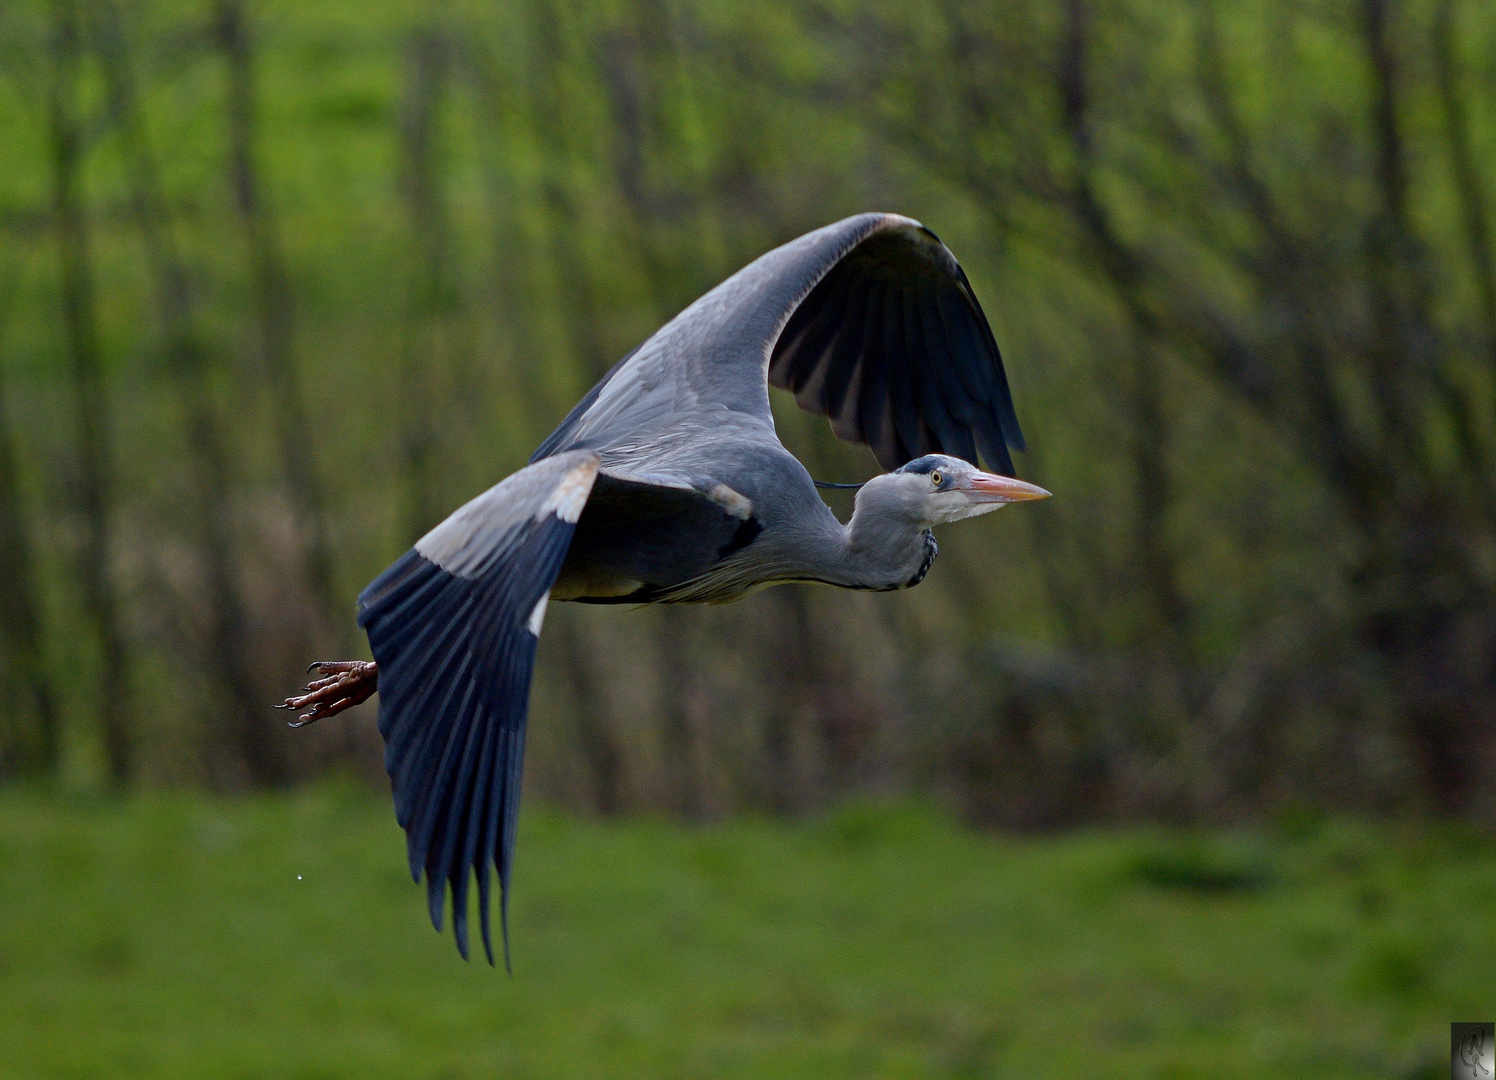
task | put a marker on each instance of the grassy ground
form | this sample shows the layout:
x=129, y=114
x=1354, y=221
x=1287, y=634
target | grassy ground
x=280, y=937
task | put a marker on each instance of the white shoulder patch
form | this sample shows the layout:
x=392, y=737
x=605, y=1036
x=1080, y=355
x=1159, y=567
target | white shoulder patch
x=571, y=493
x=537, y=617
x=739, y=506
x=465, y=542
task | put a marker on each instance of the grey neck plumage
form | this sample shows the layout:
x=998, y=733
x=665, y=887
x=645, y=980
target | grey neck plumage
x=886, y=544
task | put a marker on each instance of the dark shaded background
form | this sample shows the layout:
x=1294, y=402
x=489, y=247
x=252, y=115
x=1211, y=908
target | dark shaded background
x=283, y=283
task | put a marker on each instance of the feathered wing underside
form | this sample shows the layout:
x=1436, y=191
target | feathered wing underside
x=893, y=347
x=870, y=322
x=643, y=534
x=453, y=625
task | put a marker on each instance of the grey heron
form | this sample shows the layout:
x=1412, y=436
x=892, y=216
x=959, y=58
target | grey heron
x=667, y=484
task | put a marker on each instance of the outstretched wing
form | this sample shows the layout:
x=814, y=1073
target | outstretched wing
x=453, y=625
x=893, y=346
x=870, y=322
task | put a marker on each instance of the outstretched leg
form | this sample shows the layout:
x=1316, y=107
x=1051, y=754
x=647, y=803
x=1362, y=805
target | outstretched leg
x=345, y=683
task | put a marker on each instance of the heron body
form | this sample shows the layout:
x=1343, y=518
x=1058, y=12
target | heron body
x=667, y=484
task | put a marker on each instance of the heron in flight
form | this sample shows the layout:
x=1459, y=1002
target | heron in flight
x=667, y=484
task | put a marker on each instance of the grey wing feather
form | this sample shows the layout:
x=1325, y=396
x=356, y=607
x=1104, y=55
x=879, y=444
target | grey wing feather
x=453, y=626
x=870, y=322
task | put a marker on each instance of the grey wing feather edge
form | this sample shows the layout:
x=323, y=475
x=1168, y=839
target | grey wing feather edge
x=453, y=625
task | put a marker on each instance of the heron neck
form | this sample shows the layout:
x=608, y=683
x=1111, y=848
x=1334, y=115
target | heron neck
x=879, y=551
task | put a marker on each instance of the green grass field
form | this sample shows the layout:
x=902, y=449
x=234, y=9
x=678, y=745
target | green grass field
x=187, y=936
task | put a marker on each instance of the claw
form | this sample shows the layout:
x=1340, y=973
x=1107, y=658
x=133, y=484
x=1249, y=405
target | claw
x=345, y=683
x=335, y=667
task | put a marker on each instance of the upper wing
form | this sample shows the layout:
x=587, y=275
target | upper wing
x=453, y=625
x=869, y=321
x=893, y=346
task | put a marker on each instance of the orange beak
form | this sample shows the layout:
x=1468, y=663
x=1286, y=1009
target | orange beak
x=988, y=487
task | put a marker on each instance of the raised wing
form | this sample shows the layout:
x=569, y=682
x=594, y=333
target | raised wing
x=893, y=346
x=453, y=625
x=870, y=322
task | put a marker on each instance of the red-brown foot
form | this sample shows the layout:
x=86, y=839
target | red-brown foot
x=345, y=683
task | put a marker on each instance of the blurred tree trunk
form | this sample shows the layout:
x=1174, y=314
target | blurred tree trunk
x=685, y=789
x=95, y=490
x=1153, y=550
x=1463, y=164
x=432, y=292
x=29, y=735
x=1426, y=544
x=295, y=434
x=1161, y=642
x=598, y=747
x=189, y=358
x=798, y=733
x=558, y=127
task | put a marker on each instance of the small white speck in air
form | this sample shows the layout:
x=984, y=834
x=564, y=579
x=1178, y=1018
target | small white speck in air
x=298, y=877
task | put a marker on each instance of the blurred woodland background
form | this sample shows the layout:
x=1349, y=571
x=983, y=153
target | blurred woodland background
x=282, y=283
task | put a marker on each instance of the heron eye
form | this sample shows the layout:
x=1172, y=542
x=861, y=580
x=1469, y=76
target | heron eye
x=936, y=479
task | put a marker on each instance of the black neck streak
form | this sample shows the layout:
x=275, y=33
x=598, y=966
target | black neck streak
x=932, y=549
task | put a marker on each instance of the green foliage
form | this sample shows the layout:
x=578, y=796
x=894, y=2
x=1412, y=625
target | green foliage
x=1237, y=257
x=175, y=935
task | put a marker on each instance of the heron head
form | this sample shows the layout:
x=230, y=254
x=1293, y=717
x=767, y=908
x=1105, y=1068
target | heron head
x=936, y=489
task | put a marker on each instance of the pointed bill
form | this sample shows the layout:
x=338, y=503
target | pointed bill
x=989, y=487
